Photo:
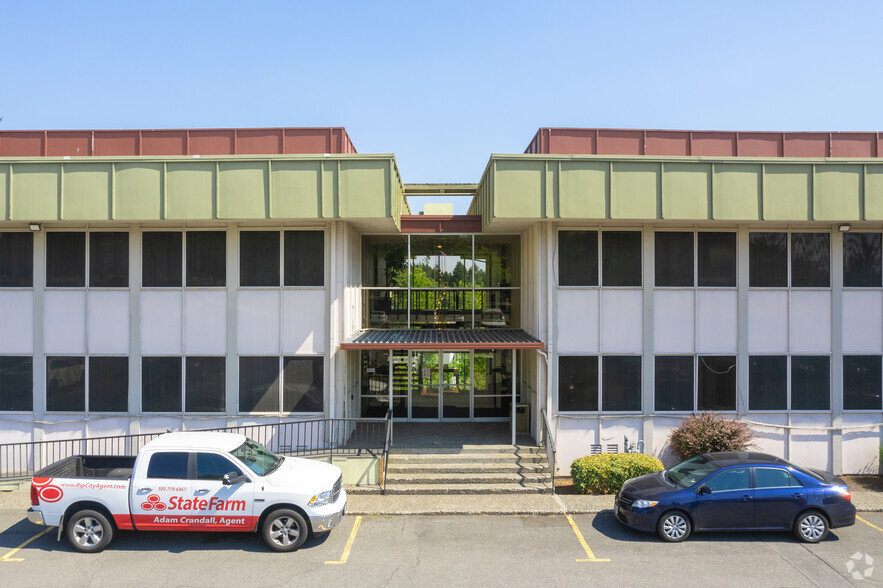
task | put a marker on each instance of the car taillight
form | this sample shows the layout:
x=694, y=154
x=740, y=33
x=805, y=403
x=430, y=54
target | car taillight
x=35, y=499
x=845, y=493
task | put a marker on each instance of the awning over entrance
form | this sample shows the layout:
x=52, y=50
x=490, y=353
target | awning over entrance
x=447, y=339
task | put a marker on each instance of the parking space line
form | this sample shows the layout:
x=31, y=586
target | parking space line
x=349, y=543
x=8, y=556
x=868, y=523
x=582, y=542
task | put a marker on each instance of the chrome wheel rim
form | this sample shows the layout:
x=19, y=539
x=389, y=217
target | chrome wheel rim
x=812, y=527
x=88, y=532
x=284, y=531
x=674, y=527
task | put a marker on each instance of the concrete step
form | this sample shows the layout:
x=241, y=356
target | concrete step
x=436, y=489
x=470, y=468
x=465, y=458
x=362, y=490
x=473, y=478
x=468, y=449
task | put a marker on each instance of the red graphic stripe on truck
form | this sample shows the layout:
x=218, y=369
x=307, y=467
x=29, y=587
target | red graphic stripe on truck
x=46, y=490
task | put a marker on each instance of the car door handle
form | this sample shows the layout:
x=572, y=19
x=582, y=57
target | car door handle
x=746, y=498
x=202, y=491
x=144, y=490
x=797, y=495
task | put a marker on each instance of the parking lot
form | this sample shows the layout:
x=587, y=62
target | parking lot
x=450, y=551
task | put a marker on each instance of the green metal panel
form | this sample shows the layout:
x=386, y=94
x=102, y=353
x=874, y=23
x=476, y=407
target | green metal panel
x=686, y=191
x=137, y=191
x=243, y=189
x=360, y=184
x=4, y=192
x=295, y=189
x=190, y=190
x=35, y=192
x=519, y=188
x=786, y=192
x=634, y=190
x=736, y=191
x=837, y=192
x=330, y=188
x=86, y=191
x=874, y=192
x=582, y=189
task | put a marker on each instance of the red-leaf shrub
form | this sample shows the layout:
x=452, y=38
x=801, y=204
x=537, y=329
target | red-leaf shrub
x=708, y=431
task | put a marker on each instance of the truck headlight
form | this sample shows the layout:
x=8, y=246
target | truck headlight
x=644, y=503
x=322, y=499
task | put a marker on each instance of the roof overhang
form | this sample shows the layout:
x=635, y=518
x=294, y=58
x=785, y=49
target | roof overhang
x=442, y=339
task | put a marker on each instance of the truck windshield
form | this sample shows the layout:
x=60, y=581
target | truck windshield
x=258, y=458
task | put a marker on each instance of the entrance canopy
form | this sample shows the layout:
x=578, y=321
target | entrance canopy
x=448, y=339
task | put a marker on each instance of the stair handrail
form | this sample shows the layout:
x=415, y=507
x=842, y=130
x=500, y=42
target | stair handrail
x=549, y=444
x=386, y=448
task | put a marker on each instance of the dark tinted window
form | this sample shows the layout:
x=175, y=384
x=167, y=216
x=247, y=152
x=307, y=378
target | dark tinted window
x=861, y=382
x=621, y=258
x=161, y=384
x=259, y=258
x=578, y=258
x=108, y=384
x=16, y=383
x=810, y=382
x=303, y=387
x=774, y=478
x=674, y=259
x=304, y=258
x=861, y=260
x=206, y=384
x=716, y=260
x=206, y=258
x=161, y=263
x=168, y=465
x=768, y=260
x=66, y=384
x=717, y=382
x=259, y=384
x=578, y=383
x=621, y=383
x=108, y=260
x=767, y=382
x=674, y=383
x=210, y=466
x=810, y=260
x=66, y=260
x=16, y=260
x=735, y=479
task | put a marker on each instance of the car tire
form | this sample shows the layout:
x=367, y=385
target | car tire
x=285, y=530
x=674, y=526
x=89, y=531
x=811, y=527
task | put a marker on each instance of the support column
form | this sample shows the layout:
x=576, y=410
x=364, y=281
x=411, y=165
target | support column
x=514, y=386
x=837, y=352
x=647, y=397
x=232, y=399
x=742, y=322
x=135, y=330
x=39, y=360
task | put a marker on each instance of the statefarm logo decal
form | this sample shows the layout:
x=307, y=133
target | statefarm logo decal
x=154, y=502
x=46, y=490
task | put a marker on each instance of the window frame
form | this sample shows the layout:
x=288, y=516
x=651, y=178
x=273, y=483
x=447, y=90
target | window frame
x=280, y=283
x=30, y=260
x=29, y=386
x=843, y=388
x=183, y=261
x=182, y=380
x=695, y=374
x=788, y=385
x=600, y=384
x=789, y=269
x=280, y=396
x=842, y=284
x=696, y=233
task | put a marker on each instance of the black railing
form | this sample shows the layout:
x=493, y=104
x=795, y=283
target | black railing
x=386, y=448
x=550, y=446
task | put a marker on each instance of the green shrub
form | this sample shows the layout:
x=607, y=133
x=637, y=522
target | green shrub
x=607, y=472
x=706, y=432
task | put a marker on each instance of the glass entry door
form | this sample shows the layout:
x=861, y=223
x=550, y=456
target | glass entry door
x=424, y=385
x=456, y=385
x=441, y=385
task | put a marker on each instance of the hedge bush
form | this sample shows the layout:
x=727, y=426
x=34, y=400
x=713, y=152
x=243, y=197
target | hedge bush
x=607, y=472
x=708, y=431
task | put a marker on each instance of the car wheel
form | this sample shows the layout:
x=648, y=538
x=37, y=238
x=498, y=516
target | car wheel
x=285, y=530
x=811, y=527
x=674, y=526
x=89, y=531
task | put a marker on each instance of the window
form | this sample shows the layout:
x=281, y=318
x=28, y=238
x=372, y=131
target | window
x=206, y=258
x=205, y=388
x=161, y=384
x=304, y=258
x=108, y=260
x=810, y=260
x=674, y=259
x=810, y=382
x=259, y=258
x=168, y=465
x=578, y=383
x=66, y=384
x=303, y=384
x=16, y=383
x=862, y=382
x=621, y=258
x=65, y=260
x=735, y=479
x=621, y=383
x=674, y=383
x=16, y=260
x=717, y=260
x=768, y=260
x=774, y=478
x=259, y=384
x=108, y=384
x=211, y=466
x=161, y=259
x=862, y=260
x=717, y=382
x=767, y=382
x=578, y=258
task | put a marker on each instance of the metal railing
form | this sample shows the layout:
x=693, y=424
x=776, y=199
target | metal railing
x=386, y=449
x=549, y=443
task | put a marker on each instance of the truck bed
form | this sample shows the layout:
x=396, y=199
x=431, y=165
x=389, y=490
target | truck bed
x=90, y=466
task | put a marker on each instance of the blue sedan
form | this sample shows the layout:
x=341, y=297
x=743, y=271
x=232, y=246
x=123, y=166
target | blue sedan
x=736, y=491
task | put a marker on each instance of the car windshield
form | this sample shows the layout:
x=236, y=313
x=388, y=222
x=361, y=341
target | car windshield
x=258, y=458
x=691, y=471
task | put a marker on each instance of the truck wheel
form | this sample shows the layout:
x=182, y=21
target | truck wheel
x=89, y=531
x=285, y=530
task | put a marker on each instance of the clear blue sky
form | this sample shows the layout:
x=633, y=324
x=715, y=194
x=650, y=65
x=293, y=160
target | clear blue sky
x=443, y=84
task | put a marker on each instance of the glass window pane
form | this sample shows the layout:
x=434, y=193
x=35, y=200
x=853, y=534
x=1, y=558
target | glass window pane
x=161, y=384
x=259, y=384
x=621, y=258
x=774, y=478
x=304, y=258
x=861, y=260
x=108, y=384
x=717, y=382
x=496, y=262
x=206, y=258
x=578, y=383
x=810, y=382
x=861, y=382
x=674, y=383
x=716, y=267
x=674, y=259
x=578, y=258
x=211, y=466
x=767, y=382
x=205, y=389
x=161, y=259
x=735, y=479
x=444, y=261
x=768, y=260
x=108, y=260
x=810, y=260
x=16, y=260
x=66, y=384
x=65, y=260
x=621, y=383
x=385, y=261
x=303, y=384
x=168, y=465
x=16, y=383
x=259, y=258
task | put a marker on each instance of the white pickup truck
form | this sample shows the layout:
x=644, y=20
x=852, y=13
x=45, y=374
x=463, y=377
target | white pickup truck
x=189, y=482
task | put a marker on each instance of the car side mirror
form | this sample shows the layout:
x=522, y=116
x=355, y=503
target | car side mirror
x=232, y=478
x=703, y=489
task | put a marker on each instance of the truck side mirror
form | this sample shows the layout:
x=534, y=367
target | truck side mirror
x=232, y=478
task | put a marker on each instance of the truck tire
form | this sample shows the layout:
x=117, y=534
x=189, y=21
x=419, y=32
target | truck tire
x=89, y=531
x=285, y=530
